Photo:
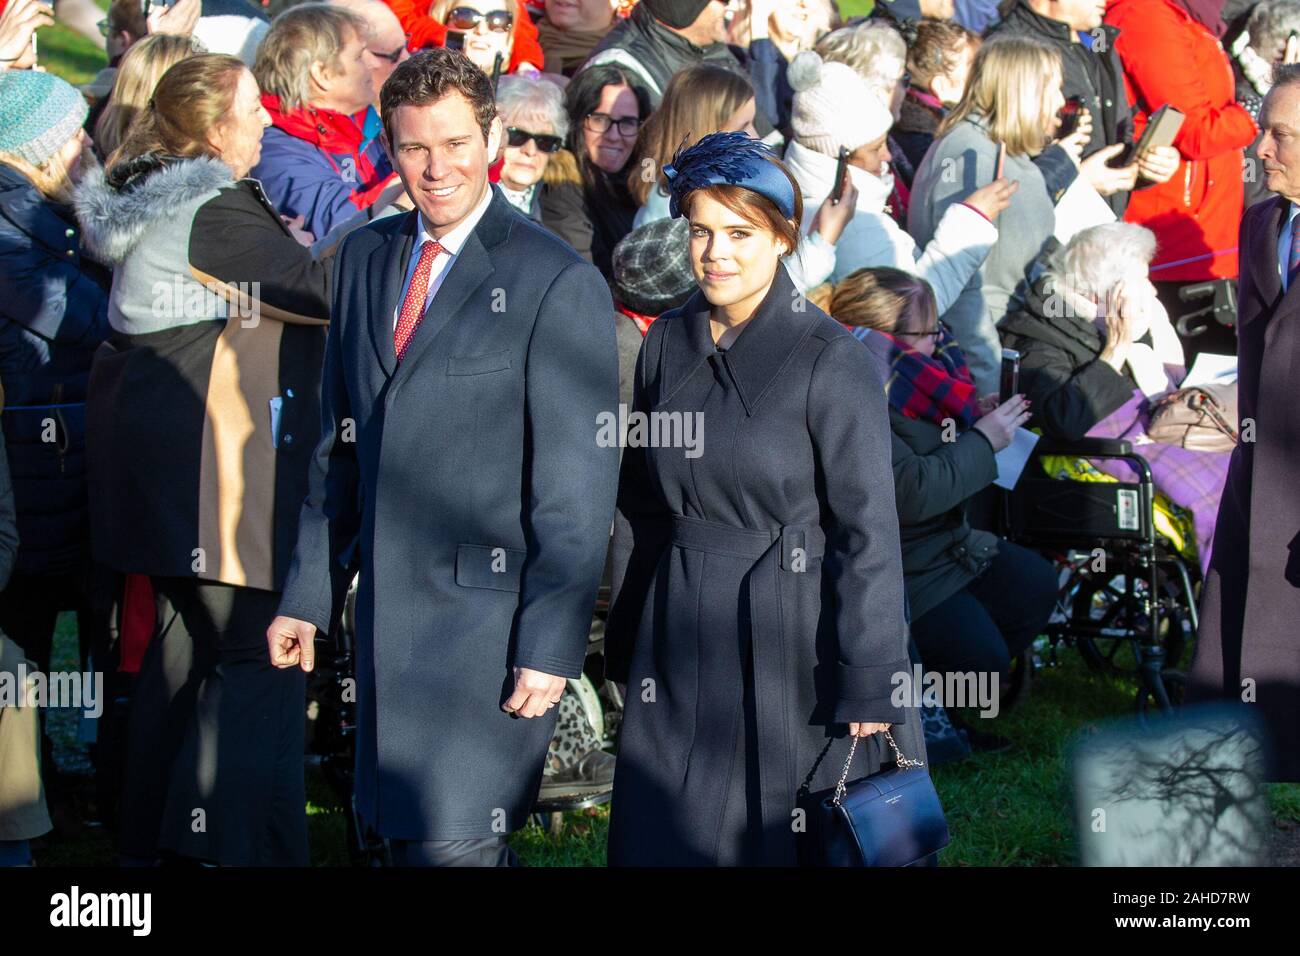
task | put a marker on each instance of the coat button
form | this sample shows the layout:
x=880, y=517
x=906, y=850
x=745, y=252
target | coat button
x=72, y=252
x=288, y=439
x=288, y=393
x=70, y=233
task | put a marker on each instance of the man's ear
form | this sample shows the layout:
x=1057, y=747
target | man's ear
x=496, y=132
x=319, y=74
x=388, y=147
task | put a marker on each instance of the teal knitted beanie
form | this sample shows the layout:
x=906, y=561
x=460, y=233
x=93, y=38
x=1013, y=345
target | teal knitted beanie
x=38, y=114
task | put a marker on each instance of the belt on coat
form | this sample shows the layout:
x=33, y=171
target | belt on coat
x=790, y=549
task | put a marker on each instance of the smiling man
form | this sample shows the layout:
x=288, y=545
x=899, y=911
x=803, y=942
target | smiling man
x=470, y=355
x=1245, y=647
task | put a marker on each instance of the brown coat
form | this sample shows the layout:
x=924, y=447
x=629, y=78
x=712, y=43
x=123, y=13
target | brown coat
x=1251, y=603
x=22, y=797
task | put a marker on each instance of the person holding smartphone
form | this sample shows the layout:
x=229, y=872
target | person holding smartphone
x=976, y=601
x=1092, y=76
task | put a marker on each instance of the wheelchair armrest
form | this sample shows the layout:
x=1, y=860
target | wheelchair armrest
x=1086, y=447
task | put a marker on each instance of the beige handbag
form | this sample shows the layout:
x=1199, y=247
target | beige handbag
x=1202, y=418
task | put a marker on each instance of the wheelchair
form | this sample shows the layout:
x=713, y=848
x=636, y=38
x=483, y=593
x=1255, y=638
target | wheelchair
x=1127, y=599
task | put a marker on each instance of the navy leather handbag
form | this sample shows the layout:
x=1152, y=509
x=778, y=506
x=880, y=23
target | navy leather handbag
x=891, y=818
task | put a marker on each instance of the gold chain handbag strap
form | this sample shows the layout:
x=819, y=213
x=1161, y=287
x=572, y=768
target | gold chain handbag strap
x=904, y=763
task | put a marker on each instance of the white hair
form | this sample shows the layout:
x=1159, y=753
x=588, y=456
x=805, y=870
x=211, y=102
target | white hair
x=1270, y=23
x=523, y=96
x=874, y=49
x=1099, y=257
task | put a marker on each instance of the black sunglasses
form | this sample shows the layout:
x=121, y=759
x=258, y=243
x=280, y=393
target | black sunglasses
x=467, y=18
x=516, y=137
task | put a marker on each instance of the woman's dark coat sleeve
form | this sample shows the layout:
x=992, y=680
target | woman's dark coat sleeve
x=642, y=527
x=1067, y=401
x=927, y=486
x=48, y=295
x=773, y=95
x=863, y=568
x=238, y=239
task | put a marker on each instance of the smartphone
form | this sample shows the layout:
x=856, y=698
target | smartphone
x=1070, y=116
x=1002, y=159
x=841, y=168
x=1009, y=384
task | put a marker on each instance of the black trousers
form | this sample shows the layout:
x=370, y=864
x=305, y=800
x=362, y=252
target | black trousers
x=991, y=620
x=214, y=764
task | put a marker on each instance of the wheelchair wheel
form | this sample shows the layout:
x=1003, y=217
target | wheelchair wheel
x=1175, y=690
x=1102, y=603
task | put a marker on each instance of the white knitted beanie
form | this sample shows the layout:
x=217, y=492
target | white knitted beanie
x=834, y=106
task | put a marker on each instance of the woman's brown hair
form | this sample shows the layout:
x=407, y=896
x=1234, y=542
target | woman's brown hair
x=698, y=101
x=755, y=208
x=191, y=98
x=883, y=299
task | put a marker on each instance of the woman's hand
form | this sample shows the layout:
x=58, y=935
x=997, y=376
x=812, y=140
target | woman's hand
x=177, y=20
x=988, y=402
x=1158, y=164
x=1119, y=327
x=831, y=218
x=999, y=426
x=866, y=730
x=1107, y=179
x=1077, y=142
x=19, y=21
x=295, y=227
x=992, y=199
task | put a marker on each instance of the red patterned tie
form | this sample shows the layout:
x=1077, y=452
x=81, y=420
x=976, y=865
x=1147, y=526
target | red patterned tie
x=413, y=305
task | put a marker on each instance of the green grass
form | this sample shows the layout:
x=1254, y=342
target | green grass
x=1010, y=809
x=68, y=54
x=855, y=8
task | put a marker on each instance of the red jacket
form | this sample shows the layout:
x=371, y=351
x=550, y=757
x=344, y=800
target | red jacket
x=425, y=31
x=1170, y=58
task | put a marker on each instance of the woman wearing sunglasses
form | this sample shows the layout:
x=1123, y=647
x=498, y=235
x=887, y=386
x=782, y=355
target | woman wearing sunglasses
x=485, y=31
x=975, y=600
x=533, y=160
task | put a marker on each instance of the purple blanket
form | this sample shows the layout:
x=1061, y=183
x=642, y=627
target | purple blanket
x=1191, y=479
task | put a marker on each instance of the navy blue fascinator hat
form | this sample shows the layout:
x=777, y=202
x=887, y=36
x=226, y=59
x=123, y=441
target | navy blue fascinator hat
x=728, y=159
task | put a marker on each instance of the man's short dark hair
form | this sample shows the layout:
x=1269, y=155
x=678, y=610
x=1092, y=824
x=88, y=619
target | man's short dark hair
x=430, y=75
x=1285, y=74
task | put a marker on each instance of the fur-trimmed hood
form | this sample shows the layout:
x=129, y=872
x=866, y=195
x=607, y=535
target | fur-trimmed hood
x=115, y=219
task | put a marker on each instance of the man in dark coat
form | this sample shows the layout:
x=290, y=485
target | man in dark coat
x=469, y=358
x=1247, y=648
x=663, y=37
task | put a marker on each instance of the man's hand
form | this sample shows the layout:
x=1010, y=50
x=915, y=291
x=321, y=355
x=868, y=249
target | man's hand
x=177, y=20
x=17, y=24
x=535, y=692
x=1077, y=142
x=1158, y=164
x=292, y=642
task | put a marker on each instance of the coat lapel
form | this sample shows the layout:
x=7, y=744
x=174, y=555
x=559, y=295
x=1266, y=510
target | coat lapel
x=471, y=269
x=781, y=323
x=1264, y=268
x=388, y=267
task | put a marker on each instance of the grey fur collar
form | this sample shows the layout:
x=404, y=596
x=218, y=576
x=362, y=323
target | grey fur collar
x=113, y=221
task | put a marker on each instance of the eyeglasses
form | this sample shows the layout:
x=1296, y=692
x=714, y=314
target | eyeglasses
x=601, y=122
x=104, y=27
x=932, y=334
x=516, y=137
x=395, y=57
x=467, y=18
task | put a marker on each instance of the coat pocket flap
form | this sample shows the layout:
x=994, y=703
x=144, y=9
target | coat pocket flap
x=478, y=364
x=483, y=566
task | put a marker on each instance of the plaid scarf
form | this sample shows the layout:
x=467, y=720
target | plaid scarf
x=929, y=388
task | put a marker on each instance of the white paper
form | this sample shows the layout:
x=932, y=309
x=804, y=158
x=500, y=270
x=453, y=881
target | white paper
x=1210, y=369
x=1080, y=208
x=1011, y=460
x=276, y=404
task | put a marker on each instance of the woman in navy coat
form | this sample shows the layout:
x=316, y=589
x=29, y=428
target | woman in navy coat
x=758, y=609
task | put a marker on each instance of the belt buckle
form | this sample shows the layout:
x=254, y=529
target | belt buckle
x=792, y=538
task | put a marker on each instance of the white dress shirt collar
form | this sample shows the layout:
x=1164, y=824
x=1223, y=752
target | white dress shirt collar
x=455, y=240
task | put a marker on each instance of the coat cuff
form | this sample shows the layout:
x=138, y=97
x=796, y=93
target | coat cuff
x=865, y=694
x=304, y=614
x=1058, y=170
